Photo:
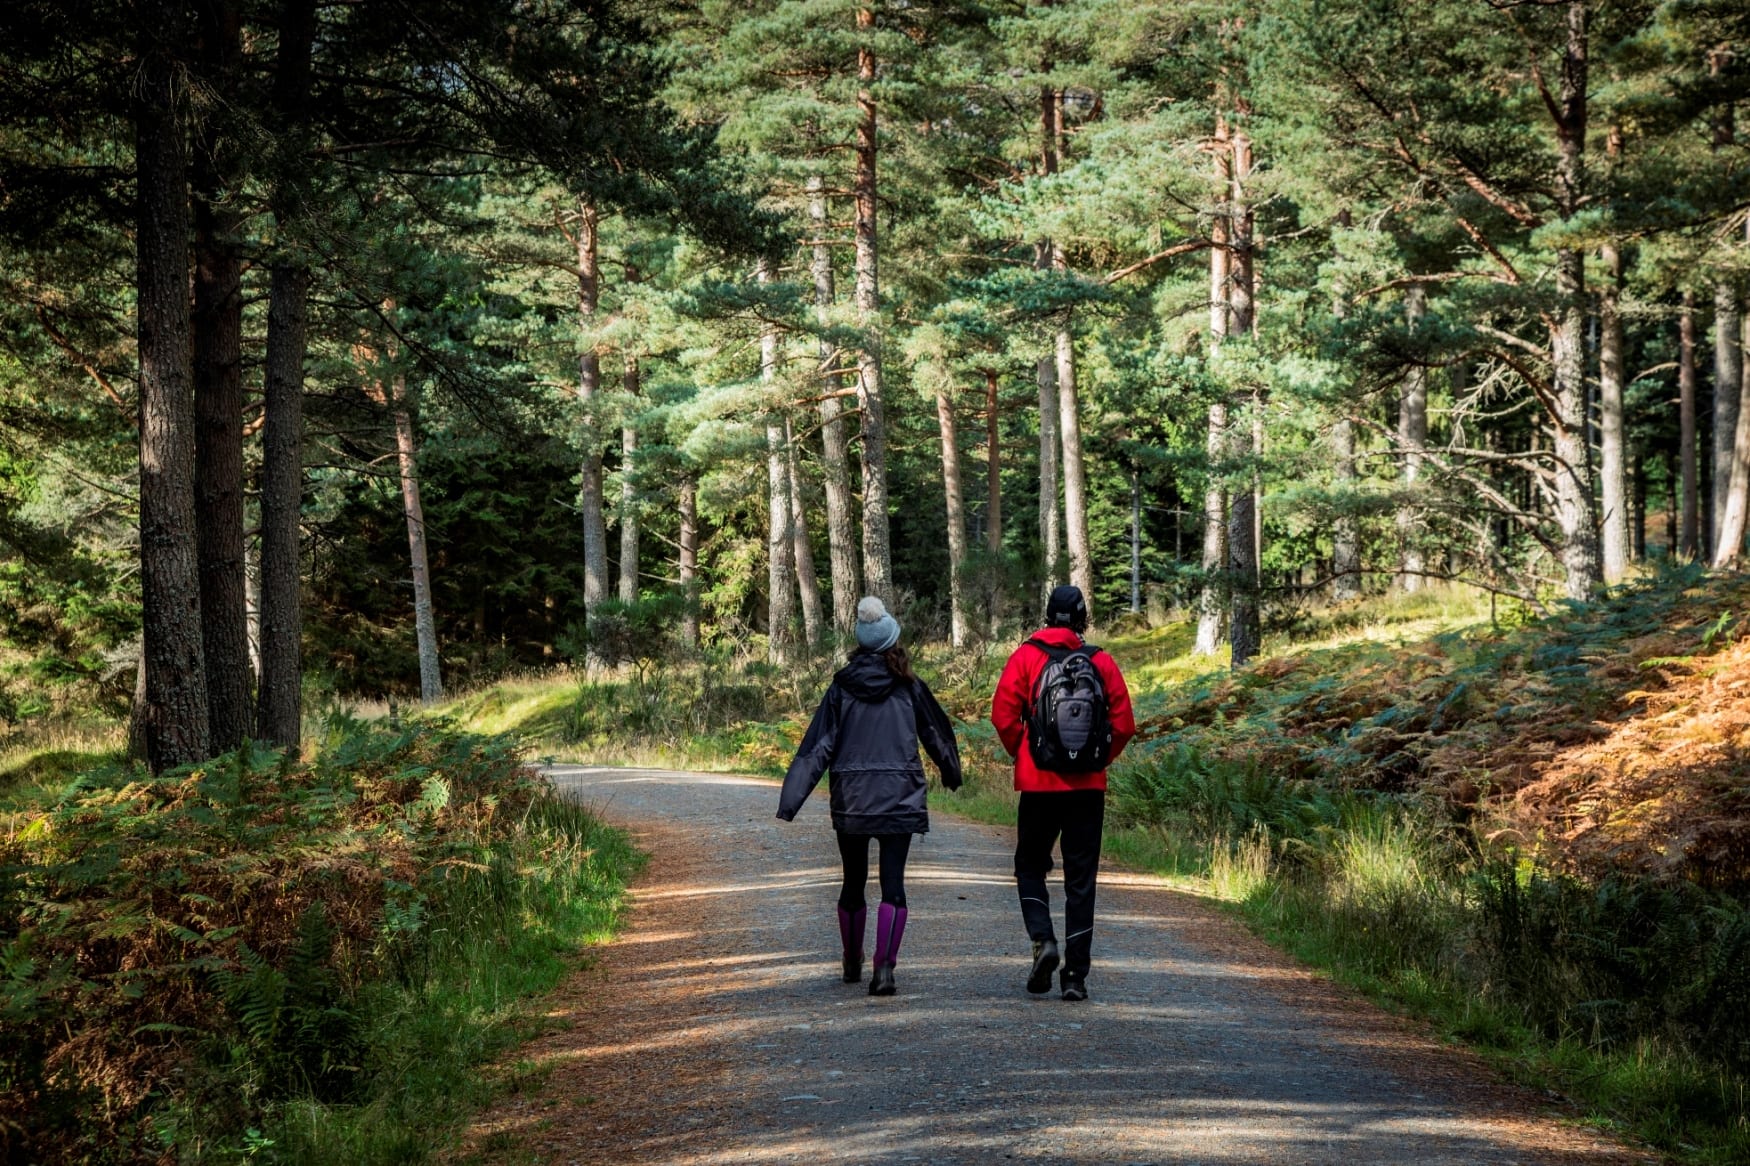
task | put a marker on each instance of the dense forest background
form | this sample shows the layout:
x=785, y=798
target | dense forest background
x=571, y=367
x=529, y=333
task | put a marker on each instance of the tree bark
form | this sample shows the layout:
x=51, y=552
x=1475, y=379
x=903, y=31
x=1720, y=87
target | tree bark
x=1135, y=540
x=1245, y=633
x=955, y=501
x=176, y=728
x=807, y=579
x=279, y=696
x=1412, y=441
x=1346, y=536
x=1613, y=437
x=835, y=461
x=1050, y=528
x=1689, y=544
x=688, y=565
x=1075, y=477
x=780, y=535
x=279, y=707
x=1212, y=598
x=1579, y=545
x=252, y=607
x=1050, y=401
x=1617, y=544
x=431, y=681
x=993, y=483
x=1728, y=386
x=1729, y=547
x=589, y=378
x=1728, y=357
x=629, y=489
x=877, y=549
x=218, y=388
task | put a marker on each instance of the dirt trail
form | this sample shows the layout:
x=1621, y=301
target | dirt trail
x=716, y=1031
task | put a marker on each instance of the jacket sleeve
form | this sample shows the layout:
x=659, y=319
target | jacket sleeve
x=812, y=758
x=936, y=732
x=1118, y=707
x=1008, y=708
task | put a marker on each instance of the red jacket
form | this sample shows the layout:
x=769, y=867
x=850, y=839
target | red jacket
x=1008, y=712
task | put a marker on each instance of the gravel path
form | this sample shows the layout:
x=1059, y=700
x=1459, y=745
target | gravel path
x=716, y=1029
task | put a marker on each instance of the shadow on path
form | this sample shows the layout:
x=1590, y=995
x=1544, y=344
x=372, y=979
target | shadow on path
x=716, y=1029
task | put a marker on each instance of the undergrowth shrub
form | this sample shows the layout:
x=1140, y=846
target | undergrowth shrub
x=1622, y=960
x=187, y=959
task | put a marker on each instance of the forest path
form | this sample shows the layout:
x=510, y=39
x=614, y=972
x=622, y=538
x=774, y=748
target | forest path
x=715, y=1029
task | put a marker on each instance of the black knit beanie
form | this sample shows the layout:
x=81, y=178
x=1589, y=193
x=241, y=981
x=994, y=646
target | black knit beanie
x=1067, y=609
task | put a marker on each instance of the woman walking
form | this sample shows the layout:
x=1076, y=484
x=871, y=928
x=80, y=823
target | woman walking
x=866, y=731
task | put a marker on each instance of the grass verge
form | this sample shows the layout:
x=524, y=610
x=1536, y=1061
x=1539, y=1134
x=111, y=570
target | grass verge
x=268, y=959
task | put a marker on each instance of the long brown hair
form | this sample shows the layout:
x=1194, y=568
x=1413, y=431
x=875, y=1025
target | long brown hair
x=897, y=659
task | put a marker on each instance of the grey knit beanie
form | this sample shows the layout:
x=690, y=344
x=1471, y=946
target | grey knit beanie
x=876, y=629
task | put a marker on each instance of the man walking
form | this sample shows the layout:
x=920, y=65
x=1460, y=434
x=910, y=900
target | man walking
x=1063, y=713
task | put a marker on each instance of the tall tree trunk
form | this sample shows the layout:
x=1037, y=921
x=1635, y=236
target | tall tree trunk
x=1689, y=544
x=629, y=488
x=1728, y=383
x=780, y=535
x=279, y=708
x=1728, y=355
x=877, y=549
x=1135, y=540
x=1638, y=531
x=279, y=699
x=1050, y=522
x=688, y=566
x=1729, y=547
x=1075, y=476
x=218, y=388
x=1245, y=632
x=175, y=717
x=956, y=507
x=1212, y=596
x=1412, y=440
x=589, y=379
x=1345, y=533
x=1050, y=406
x=252, y=607
x=835, y=460
x=1613, y=437
x=807, y=579
x=431, y=681
x=993, y=484
x=1579, y=545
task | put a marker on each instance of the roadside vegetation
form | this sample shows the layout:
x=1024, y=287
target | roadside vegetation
x=266, y=959
x=1529, y=828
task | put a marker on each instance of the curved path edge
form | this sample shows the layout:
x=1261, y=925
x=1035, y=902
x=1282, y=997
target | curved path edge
x=714, y=1029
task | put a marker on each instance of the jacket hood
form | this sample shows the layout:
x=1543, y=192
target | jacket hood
x=1058, y=637
x=866, y=677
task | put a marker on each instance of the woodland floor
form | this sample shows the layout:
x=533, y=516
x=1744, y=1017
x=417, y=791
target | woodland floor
x=715, y=1029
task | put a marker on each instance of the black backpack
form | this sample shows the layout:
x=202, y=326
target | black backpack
x=1069, y=725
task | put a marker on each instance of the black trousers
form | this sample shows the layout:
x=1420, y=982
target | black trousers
x=1076, y=817
x=854, y=851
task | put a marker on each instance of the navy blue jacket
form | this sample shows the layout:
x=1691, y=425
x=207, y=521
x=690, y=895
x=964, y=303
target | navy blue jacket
x=866, y=731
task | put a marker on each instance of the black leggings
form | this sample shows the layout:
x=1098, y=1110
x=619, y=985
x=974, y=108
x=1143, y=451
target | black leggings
x=854, y=850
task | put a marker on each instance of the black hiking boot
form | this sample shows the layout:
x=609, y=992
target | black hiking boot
x=1044, y=963
x=853, y=969
x=881, y=982
x=1074, y=988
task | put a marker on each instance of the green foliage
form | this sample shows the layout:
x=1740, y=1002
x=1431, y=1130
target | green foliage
x=306, y=952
